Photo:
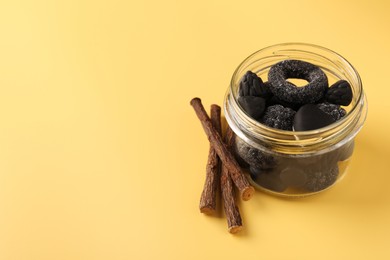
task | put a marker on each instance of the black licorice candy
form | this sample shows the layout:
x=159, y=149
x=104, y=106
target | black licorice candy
x=287, y=91
x=319, y=180
x=310, y=117
x=251, y=85
x=339, y=93
x=254, y=157
x=335, y=111
x=278, y=116
x=253, y=106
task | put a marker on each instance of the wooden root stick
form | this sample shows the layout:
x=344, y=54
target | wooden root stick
x=209, y=195
x=227, y=158
x=231, y=210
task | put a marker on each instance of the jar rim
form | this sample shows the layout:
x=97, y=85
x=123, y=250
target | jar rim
x=355, y=117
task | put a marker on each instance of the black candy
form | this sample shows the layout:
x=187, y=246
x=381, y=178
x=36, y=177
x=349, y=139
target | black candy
x=287, y=91
x=339, y=93
x=335, y=111
x=310, y=117
x=274, y=102
x=322, y=179
x=254, y=157
x=278, y=116
x=266, y=90
x=251, y=85
x=253, y=106
x=320, y=162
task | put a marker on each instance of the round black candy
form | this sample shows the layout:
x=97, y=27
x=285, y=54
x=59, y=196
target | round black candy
x=287, y=91
x=310, y=117
x=335, y=111
x=278, y=116
x=254, y=157
x=321, y=179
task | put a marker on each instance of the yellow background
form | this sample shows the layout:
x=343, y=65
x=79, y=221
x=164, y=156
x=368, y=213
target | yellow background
x=102, y=157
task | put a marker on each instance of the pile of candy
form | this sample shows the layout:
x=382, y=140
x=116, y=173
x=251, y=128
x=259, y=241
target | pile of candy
x=278, y=103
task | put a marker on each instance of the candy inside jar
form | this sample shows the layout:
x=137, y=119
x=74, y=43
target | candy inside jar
x=295, y=140
x=292, y=174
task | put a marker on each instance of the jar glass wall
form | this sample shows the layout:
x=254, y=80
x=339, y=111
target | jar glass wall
x=295, y=163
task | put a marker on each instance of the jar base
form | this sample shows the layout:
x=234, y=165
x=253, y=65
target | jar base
x=292, y=193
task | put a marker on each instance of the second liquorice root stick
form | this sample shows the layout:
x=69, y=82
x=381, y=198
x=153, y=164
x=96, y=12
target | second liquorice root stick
x=208, y=198
x=231, y=210
x=227, y=158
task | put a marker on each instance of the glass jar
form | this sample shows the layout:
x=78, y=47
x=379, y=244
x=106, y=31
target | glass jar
x=295, y=163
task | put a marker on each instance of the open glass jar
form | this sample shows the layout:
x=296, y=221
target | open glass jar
x=295, y=163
